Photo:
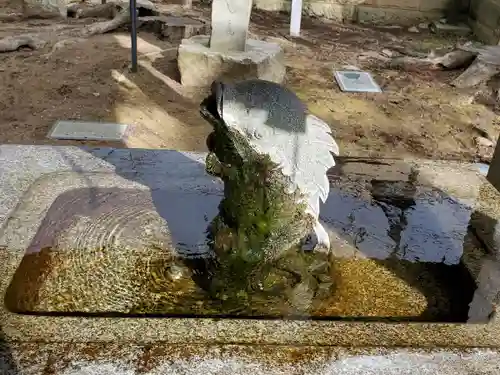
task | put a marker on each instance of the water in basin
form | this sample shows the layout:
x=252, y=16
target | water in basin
x=400, y=251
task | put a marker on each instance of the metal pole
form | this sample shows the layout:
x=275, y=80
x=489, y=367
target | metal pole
x=133, y=34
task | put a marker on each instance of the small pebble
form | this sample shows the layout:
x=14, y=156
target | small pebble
x=413, y=29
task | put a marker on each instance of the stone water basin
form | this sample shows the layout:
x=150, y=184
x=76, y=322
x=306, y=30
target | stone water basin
x=87, y=247
x=110, y=251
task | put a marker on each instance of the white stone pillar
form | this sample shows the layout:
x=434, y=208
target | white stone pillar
x=296, y=17
x=230, y=22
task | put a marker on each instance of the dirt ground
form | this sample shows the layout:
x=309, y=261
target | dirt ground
x=418, y=114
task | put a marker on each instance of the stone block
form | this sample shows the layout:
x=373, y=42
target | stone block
x=371, y=11
x=200, y=65
x=173, y=28
x=372, y=15
x=403, y=4
x=337, y=12
x=272, y=5
x=230, y=21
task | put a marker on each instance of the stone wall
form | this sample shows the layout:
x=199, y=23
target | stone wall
x=485, y=20
x=369, y=11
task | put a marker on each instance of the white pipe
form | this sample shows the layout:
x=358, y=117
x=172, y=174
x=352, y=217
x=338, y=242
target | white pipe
x=295, y=17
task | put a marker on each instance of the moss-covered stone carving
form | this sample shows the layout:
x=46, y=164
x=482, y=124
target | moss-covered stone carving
x=264, y=216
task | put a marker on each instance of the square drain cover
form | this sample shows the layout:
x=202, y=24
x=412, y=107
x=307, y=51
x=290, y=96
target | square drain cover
x=356, y=81
x=100, y=131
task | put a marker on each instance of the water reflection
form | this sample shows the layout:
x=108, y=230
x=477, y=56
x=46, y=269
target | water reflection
x=433, y=226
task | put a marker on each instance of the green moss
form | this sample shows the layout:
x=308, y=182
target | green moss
x=258, y=221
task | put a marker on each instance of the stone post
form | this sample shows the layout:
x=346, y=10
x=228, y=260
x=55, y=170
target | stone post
x=230, y=21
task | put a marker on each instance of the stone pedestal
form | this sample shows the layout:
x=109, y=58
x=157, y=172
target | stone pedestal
x=199, y=65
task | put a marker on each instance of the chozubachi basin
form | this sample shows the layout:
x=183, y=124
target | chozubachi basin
x=103, y=245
